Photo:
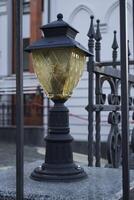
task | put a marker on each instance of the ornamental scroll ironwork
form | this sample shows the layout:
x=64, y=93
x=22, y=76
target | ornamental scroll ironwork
x=99, y=73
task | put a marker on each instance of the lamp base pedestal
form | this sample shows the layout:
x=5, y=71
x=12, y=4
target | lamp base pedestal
x=58, y=163
x=58, y=172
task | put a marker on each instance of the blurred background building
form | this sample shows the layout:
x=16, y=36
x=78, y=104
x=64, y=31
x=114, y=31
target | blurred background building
x=38, y=12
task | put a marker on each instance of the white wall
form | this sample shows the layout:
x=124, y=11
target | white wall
x=78, y=12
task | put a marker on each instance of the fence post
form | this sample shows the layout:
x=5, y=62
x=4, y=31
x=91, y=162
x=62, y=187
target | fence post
x=114, y=47
x=129, y=54
x=3, y=114
x=19, y=100
x=124, y=99
x=114, y=136
x=90, y=66
x=97, y=93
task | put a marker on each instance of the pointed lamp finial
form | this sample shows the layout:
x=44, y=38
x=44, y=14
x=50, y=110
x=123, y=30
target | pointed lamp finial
x=115, y=44
x=91, y=32
x=98, y=33
x=59, y=16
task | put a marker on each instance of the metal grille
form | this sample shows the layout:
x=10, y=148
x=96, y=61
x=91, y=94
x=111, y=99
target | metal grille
x=117, y=106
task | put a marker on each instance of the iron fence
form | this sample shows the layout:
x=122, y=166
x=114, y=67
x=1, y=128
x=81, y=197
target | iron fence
x=118, y=141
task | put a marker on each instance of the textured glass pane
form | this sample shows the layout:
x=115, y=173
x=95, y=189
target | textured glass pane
x=58, y=70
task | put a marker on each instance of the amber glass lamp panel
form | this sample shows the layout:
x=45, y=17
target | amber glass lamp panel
x=58, y=70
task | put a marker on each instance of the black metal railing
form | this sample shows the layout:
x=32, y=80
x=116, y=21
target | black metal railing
x=32, y=112
x=99, y=73
x=6, y=114
x=117, y=105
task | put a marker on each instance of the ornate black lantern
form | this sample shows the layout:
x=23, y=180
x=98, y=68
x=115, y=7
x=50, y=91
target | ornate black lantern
x=58, y=62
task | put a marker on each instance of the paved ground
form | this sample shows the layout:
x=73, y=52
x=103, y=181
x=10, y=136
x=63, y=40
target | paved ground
x=8, y=154
x=100, y=184
x=31, y=154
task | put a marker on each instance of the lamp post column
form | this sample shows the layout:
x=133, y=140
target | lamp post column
x=58, y=163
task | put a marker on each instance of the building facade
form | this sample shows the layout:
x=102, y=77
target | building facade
x=75, y=12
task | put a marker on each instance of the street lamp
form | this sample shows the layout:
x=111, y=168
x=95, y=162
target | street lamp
x=58, y=62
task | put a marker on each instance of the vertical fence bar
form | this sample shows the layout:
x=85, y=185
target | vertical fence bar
x=19, y=100
x=97, y=91
x=90, y=65
x=124, y=99
x=3, y=112
x=114, y=126
x=129, y=54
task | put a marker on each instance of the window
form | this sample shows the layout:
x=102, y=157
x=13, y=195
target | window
x=26, y=6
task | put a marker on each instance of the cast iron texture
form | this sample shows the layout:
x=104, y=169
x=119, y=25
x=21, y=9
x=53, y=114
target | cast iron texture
x=58, y=165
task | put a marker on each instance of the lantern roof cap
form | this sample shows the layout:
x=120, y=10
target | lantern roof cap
x=61, y=42
x=58, y=34
x=59, y=23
